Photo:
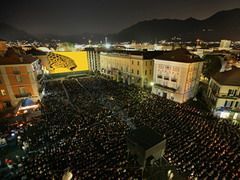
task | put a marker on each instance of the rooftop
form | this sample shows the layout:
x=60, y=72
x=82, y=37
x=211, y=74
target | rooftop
x=12, y=57
x=179, y=55
x=145, y=137
x=36, y=52
x=144, y=54
x=230, y=78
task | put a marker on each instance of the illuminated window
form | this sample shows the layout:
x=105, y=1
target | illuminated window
x=235, y=116
x=224, y=115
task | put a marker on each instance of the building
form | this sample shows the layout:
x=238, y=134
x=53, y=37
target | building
x=131, y=67
x=18, y=79
x=224, y=94
x=225, y=45
x=3, y=47
x=176, y=75
x=146, y=144
x=93, y=56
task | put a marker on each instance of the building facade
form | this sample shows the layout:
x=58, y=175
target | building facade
x=18, y=80
x=93, y=56
x=3, y=47
x=127, y=68
x=176, y=75
x=224, y=94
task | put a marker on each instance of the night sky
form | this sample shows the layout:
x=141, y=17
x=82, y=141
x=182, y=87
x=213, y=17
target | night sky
x=67, y=17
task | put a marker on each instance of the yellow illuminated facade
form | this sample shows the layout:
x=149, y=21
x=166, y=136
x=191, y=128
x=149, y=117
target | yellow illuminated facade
x=130, y=69
x=66, y=62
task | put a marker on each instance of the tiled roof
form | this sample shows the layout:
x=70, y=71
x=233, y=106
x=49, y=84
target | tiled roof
x=230, y=78
x=145, y=137
x=11, y=58
x=179, y=55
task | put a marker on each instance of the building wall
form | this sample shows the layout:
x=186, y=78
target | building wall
x=3, y=47
x=4, y=95
x=224, y=100
x=93, y=60
x=20, y=82
x=175, y=80
x=127, y=68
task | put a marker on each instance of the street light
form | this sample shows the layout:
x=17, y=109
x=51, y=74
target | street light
x=152, y=83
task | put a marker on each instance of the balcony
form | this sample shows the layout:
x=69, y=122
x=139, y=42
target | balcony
x=232, y=109
x=226, y=96
x=166, y=88
x=23, y=95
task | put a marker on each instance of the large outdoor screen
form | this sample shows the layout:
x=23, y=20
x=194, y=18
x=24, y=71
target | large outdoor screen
x=64, y=62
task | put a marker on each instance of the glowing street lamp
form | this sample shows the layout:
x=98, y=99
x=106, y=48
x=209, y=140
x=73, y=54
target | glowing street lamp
x=107, y=45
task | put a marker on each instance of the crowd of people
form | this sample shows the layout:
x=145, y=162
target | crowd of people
x=83, y=129
x=198, y=145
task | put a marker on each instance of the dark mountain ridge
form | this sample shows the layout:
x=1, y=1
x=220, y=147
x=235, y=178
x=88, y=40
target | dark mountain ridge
x=222, y=25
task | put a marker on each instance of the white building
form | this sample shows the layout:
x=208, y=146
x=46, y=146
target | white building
x=176, y=75
x=225, y=45
x=224, y=94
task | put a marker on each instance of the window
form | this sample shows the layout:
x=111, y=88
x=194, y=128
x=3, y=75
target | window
x=16, y=70
x=22, y=90
x=174, y=78
x=228, y=103
x=137, y=72
x=138, y=63
x=3, y=92
x=166, y=78
x=132, y=71
x=237, y=104
x=18, y=78
x=150, y=72
x=230, y=92
x=235, y=93
x=160, y=76
x=145, y=72
x=132, y=62
x=146, y=63
x=225, y=104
